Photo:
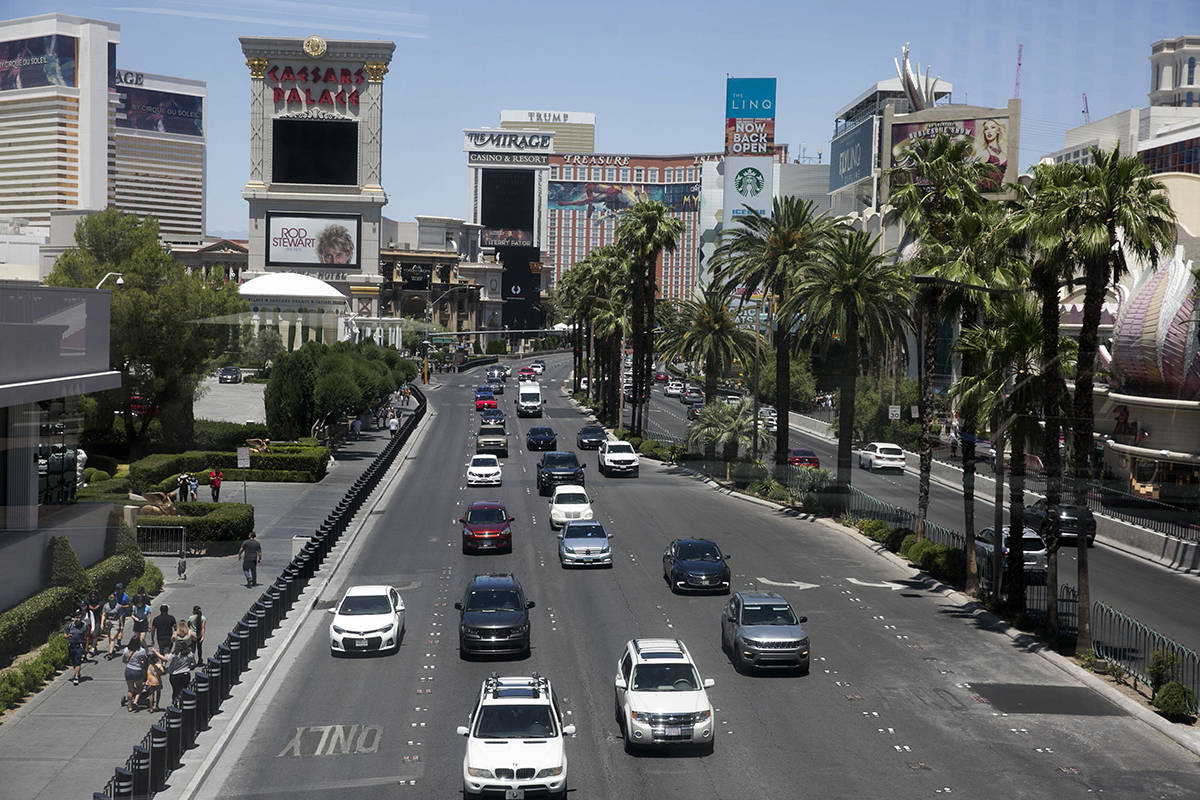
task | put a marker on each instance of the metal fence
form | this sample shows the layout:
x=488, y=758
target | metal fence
x=1068, y=606
x=1125, y=641
x=864, y=505
x=162, y=540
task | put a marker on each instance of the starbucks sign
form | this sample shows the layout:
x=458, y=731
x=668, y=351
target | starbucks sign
x=749, y=182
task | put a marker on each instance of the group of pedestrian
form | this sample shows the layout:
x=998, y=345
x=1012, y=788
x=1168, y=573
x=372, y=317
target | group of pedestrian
x=187, y=487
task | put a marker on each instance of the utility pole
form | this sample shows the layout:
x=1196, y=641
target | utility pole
x=1087, y=116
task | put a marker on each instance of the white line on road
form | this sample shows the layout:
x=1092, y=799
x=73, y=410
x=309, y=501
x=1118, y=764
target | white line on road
x=884, y=585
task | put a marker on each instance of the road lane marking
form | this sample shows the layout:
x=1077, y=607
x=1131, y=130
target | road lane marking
x=789, y=584
x=884, y=585
x=335, y=740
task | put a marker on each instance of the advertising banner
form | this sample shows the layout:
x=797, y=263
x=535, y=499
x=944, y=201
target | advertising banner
x=602, y=200
x=38, y=61
x=522, y=288
x=748, y=182
x=415, y=277
x=852, y=155
x=166, y=112
x=312, y=239
x=506, y=237
x=988, y=138
x=749, y=116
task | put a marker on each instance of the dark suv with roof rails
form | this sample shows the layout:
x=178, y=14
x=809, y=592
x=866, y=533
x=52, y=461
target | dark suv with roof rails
x=1072, y=521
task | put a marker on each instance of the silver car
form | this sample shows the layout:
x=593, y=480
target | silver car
x=1033, y=552
x=584, y=543
x=760, y=630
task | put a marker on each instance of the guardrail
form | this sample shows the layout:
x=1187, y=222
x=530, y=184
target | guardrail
x=146, y=770
x=1122, y=639
x=162, y=540
x=1068, y=606
x=864, y=505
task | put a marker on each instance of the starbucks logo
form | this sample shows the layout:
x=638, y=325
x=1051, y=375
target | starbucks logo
x=748, y=182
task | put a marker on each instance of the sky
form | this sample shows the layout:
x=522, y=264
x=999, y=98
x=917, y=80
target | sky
x=652, y=72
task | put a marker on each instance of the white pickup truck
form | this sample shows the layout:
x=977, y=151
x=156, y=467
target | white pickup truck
x=618, y=458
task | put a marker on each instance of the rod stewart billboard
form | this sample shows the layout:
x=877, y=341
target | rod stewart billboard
x=312, y=239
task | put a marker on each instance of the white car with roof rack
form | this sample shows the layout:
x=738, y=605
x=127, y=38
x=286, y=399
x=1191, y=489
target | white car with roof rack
x=515, y=740
x=660, y=697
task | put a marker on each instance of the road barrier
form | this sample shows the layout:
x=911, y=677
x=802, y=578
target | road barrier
x=162, y=540
x=146, y=770
x=1121, y=639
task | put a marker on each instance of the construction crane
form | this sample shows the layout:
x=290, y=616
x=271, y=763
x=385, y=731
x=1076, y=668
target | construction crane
x=1017, y=80
x=1087, y=116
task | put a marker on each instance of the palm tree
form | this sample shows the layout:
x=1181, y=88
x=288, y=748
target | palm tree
x=645, y=231
x=934, y=187
x=859, y=295
x=730, y=427
x=1116, y=207
x=706, y=330
x=768, y=254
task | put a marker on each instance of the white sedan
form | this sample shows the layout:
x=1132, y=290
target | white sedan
x=881, y=455
x=484, y=470
x=674, y=388
x=567, y=503
x=368, y=619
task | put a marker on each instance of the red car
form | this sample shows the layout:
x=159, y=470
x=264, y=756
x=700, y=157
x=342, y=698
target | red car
x=526, y=374
x=486, y=526
x=803, y=457
x=660, y=376
x=484, y=402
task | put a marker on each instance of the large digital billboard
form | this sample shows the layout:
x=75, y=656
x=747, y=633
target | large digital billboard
x=988, y=138
x=611, y=199
x=312, y=239
x=852, y=155
x=166, y=112
x=38, y=61
x=323, y=152
x=749, y=116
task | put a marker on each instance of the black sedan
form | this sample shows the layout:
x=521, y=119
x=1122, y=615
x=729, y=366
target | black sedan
x=541, y=438
x=590, y=437
x=695, y=564
x=229, y=375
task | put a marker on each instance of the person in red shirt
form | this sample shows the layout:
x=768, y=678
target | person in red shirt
x=214, y=483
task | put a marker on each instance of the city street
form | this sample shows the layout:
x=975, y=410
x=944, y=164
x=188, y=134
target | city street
x=908, y=695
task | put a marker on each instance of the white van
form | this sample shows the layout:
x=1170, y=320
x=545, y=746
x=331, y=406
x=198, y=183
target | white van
x=529, y=399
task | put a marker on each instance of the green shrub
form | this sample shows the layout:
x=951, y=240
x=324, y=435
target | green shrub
x=649, y=447
x=497, y=347
x=895, y=537
x=218, y=435
x=63, y=567
x=906, y=544
x=921, y=553
x=778, y=493
x=209, y=522
x=154, y=472
x=1161, y=669
x=21, y=681
x=123, y=568
x=103, y=463
x=1175, y=701
x=950, y=563
x=620, y=433
x=26, y=624
x=872, y=528
x=634, y=441
x=126, y=541
x=92, y=475
x=151, y=580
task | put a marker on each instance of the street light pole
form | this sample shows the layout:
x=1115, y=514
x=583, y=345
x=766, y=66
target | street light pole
x=754, y=385
x=120, y=279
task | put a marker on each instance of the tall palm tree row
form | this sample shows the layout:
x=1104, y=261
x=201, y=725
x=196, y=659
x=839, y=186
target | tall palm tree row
x=768, y=254
x=729, y=427
x=856, y=293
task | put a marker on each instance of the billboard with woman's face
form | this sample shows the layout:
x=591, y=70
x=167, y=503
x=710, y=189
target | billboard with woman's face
x=312, y=240
x=988, y=139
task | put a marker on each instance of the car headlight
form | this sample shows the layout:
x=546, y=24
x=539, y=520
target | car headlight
x=470, y=633
x=549, y=772
x=336, y=629
x=506, y=532
x=522, y=628
x=385, y=628
x=700, y=716
x=749, y=642
x=476, y=772
x=638, y=715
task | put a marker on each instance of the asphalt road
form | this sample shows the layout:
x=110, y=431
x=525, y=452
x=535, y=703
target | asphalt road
x=906, y=697
x=1164, y=599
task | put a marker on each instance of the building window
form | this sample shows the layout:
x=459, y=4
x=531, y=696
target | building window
x=624, y=174
x=610, y=174
x=652, y=175
x=1189, y=100
x=553, y=172
x=595, y=173
x=568, y=173
x=691, y=174
x=638, y=175
x=1191, y=72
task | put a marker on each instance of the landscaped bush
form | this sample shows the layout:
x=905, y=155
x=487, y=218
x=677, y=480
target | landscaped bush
x=1176, y=701
x=149, y=473
x=26, y=624
x=950, y=563
x=216, y=435
x=103, y=463
x=63, y=567
x=649, y=447
x=873, y=529
x=634, y=441
x=906, y=544
x=114, y=490
x=123, y=568
x=93, y=475
x=19, y=682
x=497, y=347
x=209, y=522
x=896, y=537
x=921, y=553
x=778, y=493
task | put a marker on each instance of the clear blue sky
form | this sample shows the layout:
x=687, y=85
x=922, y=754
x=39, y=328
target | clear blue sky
x=653, y=72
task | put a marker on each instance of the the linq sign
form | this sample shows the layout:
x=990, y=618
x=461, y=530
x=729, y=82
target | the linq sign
x=852, y=155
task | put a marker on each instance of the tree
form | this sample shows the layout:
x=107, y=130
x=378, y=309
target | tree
x=264, y=349
x=768, y=254
x=1117, y=207
x=644, y=233
x=729, y=427
x=858, y=295
x=934, y=187
x=159, y=342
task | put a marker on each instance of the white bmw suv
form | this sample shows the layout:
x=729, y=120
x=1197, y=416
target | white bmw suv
x=660, y=697
x=515, y=740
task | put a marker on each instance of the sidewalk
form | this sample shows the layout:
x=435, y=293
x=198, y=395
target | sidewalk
x=66, y=741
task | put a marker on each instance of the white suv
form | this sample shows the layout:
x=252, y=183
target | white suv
x=660, y=697
x=515, y=740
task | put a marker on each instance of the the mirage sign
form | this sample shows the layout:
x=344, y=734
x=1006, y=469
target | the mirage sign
x=491, y=140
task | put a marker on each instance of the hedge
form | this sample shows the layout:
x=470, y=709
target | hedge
x=233, y=476
x=216, y=435
x=63, y=567
x=209, y=522
x=21, y=681
x=103, y=463
x=26, y=624
x=147, y=473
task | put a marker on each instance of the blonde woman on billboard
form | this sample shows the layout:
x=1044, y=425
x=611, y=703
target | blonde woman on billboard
x=991, y=143
x=335, y=245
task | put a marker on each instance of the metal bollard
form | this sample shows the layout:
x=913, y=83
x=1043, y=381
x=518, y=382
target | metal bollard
x=289, y=585
x=158, y=758
x=213, y=671
x=174, y=725
x=122, y=784
x=141, y=772
x=239, y=650
x=189, y=704
x=225, y=660
x=261, y=618
x=276, y=606
x=249, y=624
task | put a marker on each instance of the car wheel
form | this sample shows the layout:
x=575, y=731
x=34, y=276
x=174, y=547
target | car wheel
x=635, y=473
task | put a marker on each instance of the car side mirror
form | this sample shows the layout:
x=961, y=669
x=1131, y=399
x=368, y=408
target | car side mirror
x=529, y=604
x=569, y=730
x=462, y=520
x=803, y=619
x=561, y=535
x=462, y=730
x=333, y=610
x=620, y=682
x=511, y=519
x=727, y=556
x=709, y=683
x=583, y=466
x=458, y=606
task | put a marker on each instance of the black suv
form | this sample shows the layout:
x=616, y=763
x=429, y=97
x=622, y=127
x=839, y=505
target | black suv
x=1072, y=520
x=590, y=437
x=493, y=617
x=541, y=437
x=558, y=467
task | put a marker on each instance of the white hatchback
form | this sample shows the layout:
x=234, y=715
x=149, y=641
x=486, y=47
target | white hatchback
x=674, y=388
x=569, y=502
x=881, y=455
x=485, y=470
x=368, y=619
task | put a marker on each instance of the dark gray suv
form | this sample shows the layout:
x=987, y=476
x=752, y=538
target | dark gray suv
x=760, y=629
x=493, y=617
x=556, y=468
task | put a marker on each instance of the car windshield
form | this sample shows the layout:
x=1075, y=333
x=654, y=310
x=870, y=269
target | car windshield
x=493, y=600
x=665, y=678
x=768, y=615
x=515, y=722
x=363, y=604
x=620, y=447
x=698, y=551
x=591, y=431
x=483, y=389
x=803, y=453
x=584, y=532
x=570, y=499
x=478, y=515
x=891, y=451
x=560, y=460
x=540, y=432
x=484, y=461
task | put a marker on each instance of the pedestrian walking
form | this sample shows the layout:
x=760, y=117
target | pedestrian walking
x=953, y=443
x=126, y=604
x=181, y=566
x=407, y=395
x=198, y=624
x=110, y=618
x=164, y=629
x=91, y=621
x=76, y=635
x=214, y=484
x=356, y=427
x=141, y=615
x=153, y=685
x=193, y=489
x=251, y=554
x=136, y=657
x=393, y=425
x=181, y=487
x=179, y=668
